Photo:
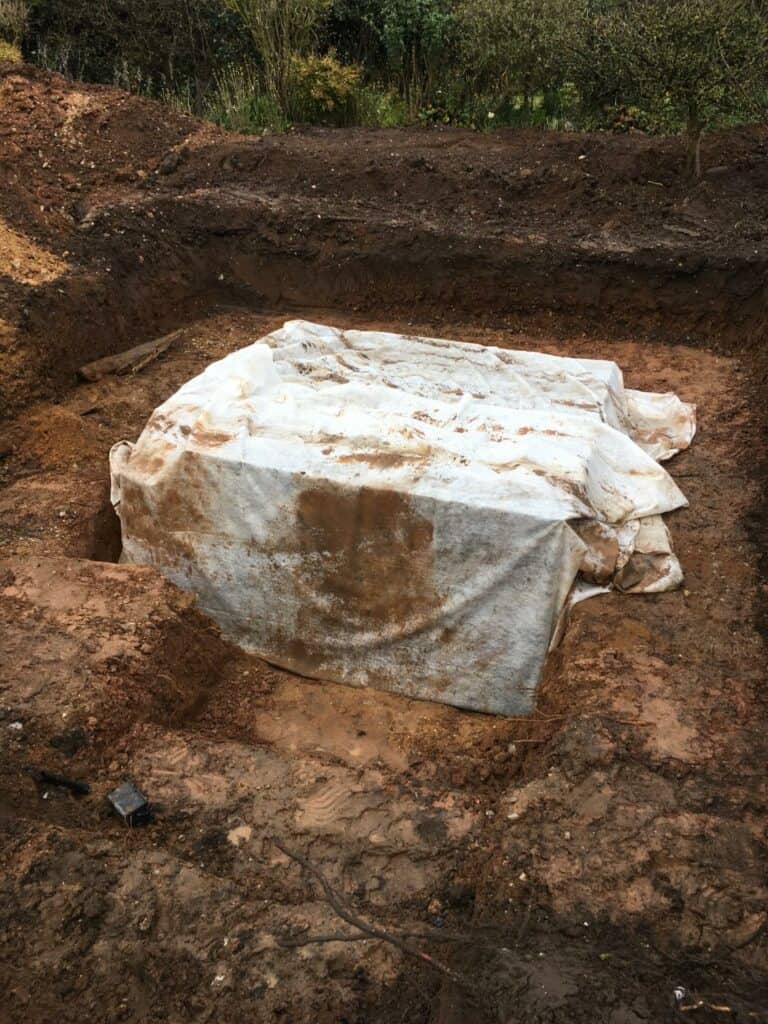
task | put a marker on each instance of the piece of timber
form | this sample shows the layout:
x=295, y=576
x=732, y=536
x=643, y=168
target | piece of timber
x=132, y=360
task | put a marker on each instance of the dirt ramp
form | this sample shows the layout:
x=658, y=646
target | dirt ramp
x=100, y=646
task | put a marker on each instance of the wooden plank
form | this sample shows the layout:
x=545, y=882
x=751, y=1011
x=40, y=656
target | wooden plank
x=133, y=359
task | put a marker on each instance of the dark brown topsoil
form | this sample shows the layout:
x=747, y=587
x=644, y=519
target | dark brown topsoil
x=141, y=218
x=571, y=868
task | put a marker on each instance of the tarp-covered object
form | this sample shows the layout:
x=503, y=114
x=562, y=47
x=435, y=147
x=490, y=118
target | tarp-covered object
x=405, y=513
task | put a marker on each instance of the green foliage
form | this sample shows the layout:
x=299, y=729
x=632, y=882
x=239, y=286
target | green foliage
x=404, y=43
x=305, y=85
x=13, y=22
x=281, y=30
x=512, y=46
x=151, y=45
x=251, y=65
x=323, y=91
x=375, y=107
x=322, y=85
x=239, y=103
x=10, y=52
x=691, y=62
x=414, y=34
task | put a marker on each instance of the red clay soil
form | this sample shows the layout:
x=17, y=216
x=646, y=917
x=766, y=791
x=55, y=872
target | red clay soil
x=575, y=867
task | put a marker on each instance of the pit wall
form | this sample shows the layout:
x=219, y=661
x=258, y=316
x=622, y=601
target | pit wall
x=86, y=315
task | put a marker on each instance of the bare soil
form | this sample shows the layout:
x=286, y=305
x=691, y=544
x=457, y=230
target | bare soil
x=575, y=866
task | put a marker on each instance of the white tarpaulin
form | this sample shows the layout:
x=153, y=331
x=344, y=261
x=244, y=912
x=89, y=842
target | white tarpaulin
x=405, y=513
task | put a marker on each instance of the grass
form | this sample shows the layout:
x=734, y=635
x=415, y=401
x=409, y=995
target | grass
x=238, y=103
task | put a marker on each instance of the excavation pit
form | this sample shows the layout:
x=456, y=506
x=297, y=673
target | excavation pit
x=592, y=856
x=387, y=795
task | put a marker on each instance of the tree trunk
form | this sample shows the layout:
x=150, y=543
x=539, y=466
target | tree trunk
x=693, y=135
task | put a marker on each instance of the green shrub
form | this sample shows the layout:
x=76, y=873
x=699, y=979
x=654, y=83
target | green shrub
x=513, y=49
x=281, y=30
x=322, y=89
x=10, y=52
x=696, y=63
x=239, y=103
x=375, y=107
x=156, y=46
x=325, y=91
x=325, y=81
x=403, y=44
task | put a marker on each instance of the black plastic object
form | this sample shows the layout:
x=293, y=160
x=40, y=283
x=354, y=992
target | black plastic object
x=131, y=804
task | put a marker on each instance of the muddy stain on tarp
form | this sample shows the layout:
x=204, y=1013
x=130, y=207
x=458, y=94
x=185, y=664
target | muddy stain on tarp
x=377, y=553
x=367, y=564
x=602, y=553
x=210, y=438
x=159, y=517
x=384, y=459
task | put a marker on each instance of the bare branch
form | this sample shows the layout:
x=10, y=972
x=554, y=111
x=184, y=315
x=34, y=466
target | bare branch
x=367, y=930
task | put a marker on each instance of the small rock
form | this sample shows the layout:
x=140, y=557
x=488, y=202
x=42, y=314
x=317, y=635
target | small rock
x=172, y=160
x=240, y=834
x=219, y=979
x=131, y=804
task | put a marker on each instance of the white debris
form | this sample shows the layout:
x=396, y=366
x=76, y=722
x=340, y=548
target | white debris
x=239, y=834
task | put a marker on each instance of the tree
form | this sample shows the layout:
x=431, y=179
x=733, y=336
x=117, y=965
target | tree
x=281, y=30
x=406, y=43
x=511, y=45
x=13, y=20
x=154, y=45
x=701, y=61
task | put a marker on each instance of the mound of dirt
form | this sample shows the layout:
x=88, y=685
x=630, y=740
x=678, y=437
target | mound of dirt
x=61, y=613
